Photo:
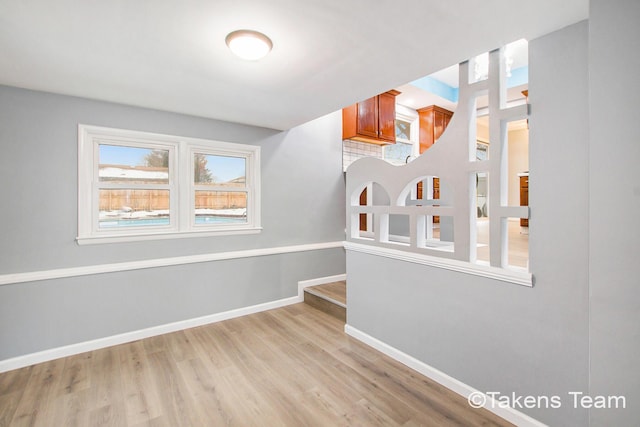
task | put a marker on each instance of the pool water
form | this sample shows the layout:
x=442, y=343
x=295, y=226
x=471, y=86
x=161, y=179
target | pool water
x=143, y=222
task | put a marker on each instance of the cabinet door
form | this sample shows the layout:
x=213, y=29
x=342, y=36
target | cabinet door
x=387, y=116
x=524, y=197
x=367, y=121
x=363, y=217
x=426, y=131
x=439, y=124
x=436, y=195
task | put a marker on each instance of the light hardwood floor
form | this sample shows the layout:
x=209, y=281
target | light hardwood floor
x=292, y=366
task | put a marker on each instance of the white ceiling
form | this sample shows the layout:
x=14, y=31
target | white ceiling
x=171, y=55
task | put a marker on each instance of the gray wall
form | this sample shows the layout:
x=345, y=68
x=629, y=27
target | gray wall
x=614, y=208
x=492, y=335
x=302, y=203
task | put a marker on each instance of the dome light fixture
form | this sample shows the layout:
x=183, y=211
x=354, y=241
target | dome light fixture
x=248, y=44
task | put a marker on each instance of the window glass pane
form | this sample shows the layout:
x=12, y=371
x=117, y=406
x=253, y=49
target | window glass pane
x=219, y=207
x=132, y=165
x=398, y=153
x=219, y=170
x=403, y=129
x=133, y=208
x=482, y=151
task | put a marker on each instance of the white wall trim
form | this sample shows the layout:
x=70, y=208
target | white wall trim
x=512, y=415
x=32, y=276
x=70, y=350
x=319, y=281
x=517, y=276
x=167, y=235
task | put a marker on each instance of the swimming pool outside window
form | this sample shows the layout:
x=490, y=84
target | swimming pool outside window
x=134, y=185
x=139, y=186
x=213, y=178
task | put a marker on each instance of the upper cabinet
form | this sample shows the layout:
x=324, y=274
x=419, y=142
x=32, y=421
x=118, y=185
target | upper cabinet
x=372, y=120
x=433, y=122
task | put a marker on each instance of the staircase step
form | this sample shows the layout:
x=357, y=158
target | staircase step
x=330, y=298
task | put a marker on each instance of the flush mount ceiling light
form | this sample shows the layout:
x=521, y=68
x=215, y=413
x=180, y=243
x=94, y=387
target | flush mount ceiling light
x=248, y=44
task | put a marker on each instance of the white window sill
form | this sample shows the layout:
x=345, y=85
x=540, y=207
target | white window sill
x=92, y=240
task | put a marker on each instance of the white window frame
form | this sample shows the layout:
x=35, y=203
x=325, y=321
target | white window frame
x=411, y=116
x=226, y=151
x=181, y=185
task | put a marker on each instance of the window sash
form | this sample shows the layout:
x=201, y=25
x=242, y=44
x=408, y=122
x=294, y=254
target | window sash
x=98, y=185
x=248, y=188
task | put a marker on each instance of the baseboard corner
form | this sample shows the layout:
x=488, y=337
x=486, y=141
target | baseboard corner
x=509, y=414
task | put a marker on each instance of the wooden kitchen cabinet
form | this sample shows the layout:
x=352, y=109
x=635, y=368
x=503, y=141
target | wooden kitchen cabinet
x=363, y=216
x=433, y=121
x=524, y=197
x=372, y=120
x=436, y=194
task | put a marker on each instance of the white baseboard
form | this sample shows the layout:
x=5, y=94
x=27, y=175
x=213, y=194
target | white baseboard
x=512, y=415
x=319, y=281
x=70, y=350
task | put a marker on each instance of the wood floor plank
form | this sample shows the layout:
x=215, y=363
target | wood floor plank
x=208, y=349
x=140, y=396
x=174, y=399
x=8, y=405
x=347, y=378
x=179, y=346
x=325, y=401
x=155, y=422
x=306, y=375
x=34, y=408
x=12, y=387
x=75, y=375
x=105, y=380
x=365, y=411
x=112, y=415
x=207, y=391
x=290, y=366
x=276, y=384
x=71, y=409
x=14, y=380
x=153, y=344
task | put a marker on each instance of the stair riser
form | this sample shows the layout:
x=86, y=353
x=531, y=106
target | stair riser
x=326, y=306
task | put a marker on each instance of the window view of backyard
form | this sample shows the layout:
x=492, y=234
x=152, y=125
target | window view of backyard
x=134, y=187
x=219, y=181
